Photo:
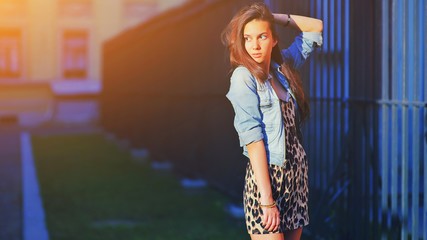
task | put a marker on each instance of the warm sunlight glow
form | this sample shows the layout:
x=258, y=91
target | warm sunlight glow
x=54, y=47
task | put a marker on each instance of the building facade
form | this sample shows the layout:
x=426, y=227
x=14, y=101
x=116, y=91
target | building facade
x=52, y=48
x=59, y=42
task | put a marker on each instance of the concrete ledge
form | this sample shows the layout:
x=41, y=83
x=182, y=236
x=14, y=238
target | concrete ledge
x=34, y=226
x=76, y=87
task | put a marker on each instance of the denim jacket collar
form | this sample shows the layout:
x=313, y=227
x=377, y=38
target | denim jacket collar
x=275, y=67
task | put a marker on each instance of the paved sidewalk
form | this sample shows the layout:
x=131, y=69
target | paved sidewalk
x=11, y=198
x=10, y=184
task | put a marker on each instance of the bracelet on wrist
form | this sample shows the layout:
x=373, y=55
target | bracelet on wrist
x=289, y=20
x=268, y=205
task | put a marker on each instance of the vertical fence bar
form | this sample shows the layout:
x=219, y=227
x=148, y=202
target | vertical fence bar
x=384, y=110
x=331, y=84
x=424, y=112
x=376, y=145
x=346, y=66
x=423, y=36
x=311, y=90
x=339, y=63
x=343, y=58
x=317, y=91
x=312, y=122
x=404, y=136
x=394, y=145
x=347, y=53
x=324, y=86
x=309, y=126
x=412, y=79
x=416, y=223
x=319, y=119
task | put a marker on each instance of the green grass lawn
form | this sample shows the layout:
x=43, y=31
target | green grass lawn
x=91, y=189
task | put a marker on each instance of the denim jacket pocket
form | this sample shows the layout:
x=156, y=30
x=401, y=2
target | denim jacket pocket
x=265, y=100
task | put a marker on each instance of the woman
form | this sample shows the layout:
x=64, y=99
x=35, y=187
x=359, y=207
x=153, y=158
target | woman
x=269, y=103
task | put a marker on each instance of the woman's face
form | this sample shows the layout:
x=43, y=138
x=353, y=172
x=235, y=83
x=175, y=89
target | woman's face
x=259, y=40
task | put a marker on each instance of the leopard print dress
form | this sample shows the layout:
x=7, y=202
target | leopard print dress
x=289, y=183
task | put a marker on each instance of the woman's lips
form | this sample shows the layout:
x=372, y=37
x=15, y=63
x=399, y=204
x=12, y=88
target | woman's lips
x=256, y=55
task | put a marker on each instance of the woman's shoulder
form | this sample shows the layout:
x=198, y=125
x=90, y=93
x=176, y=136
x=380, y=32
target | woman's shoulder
x=242, y=75
x=242, y=72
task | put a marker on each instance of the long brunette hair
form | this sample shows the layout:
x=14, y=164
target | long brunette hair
x=233, y=38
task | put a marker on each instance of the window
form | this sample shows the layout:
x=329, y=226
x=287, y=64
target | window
x=137, y=11
x=75, y=54
x=10, y=53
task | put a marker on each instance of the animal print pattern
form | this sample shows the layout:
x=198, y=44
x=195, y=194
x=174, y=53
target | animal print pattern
x=289, y=184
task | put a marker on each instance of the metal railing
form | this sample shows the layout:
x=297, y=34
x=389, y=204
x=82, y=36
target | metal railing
x=403, y=139
x=367, y=135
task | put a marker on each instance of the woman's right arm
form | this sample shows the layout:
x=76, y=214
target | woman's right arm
x=248, y=121
x=306, y=42
x=301, y=23
x=258, y=159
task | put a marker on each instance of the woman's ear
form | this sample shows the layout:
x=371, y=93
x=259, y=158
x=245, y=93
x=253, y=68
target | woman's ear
x=275, y=42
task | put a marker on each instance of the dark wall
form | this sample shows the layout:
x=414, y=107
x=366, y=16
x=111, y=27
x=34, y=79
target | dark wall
x=363, y=118
x=164, y=89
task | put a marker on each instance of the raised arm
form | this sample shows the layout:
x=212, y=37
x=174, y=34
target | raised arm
x=301, y=23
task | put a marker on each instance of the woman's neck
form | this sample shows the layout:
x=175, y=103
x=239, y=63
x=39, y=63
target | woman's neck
x=266, y=66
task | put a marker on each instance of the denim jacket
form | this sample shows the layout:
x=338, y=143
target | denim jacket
x=258, y=114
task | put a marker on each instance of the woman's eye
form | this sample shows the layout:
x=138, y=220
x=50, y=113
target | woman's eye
x=247, y=39
x=263, y=37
